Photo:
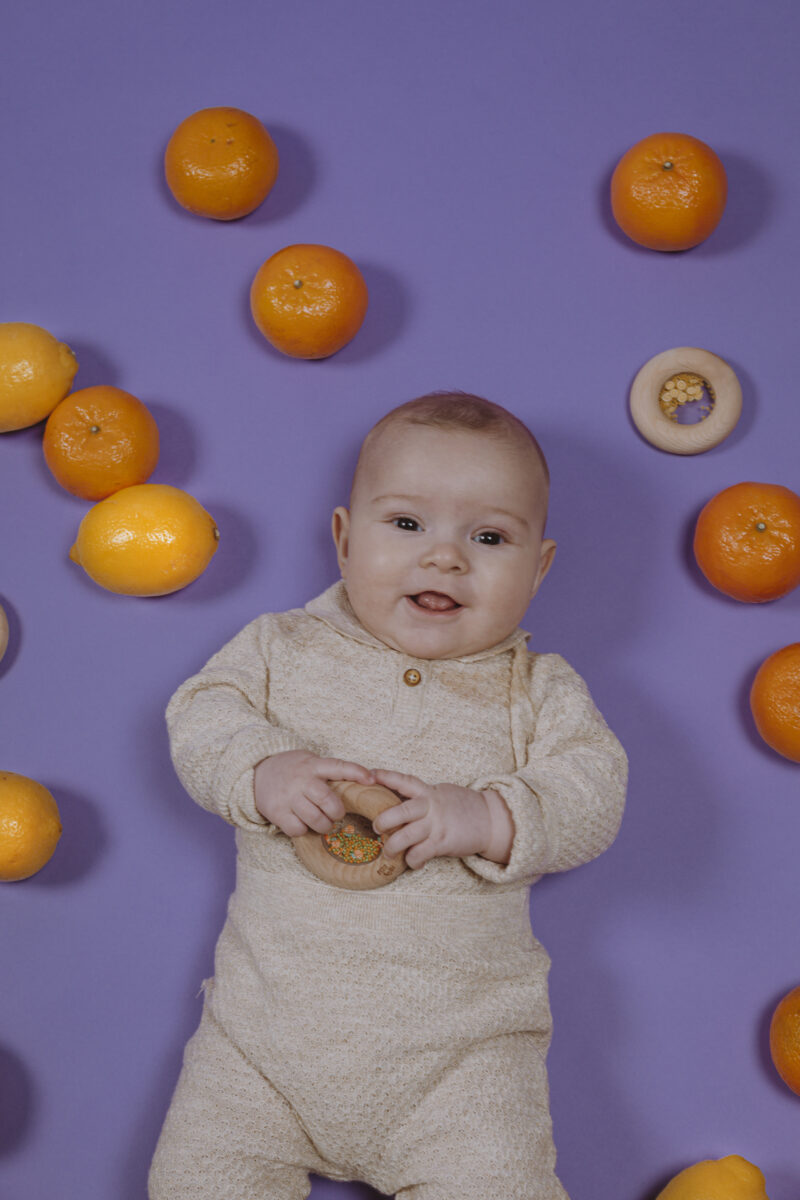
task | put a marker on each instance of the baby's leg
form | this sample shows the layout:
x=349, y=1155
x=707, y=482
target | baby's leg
x=228, y=1132
x=483, y=1130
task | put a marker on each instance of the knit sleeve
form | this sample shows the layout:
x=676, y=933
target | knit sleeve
x=219, y=731
x=567, y=798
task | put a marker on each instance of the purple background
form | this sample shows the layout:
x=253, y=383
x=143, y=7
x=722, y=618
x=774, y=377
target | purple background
x=460, y=152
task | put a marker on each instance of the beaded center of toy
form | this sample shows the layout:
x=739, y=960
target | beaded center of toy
x=687, y=398
x=353, y=840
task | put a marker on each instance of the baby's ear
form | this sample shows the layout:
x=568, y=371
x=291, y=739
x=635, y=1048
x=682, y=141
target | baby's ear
x=340, y=528
x=545, y=562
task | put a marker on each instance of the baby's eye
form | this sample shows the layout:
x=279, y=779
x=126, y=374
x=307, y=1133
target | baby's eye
x=489, y=537
x=406, y=523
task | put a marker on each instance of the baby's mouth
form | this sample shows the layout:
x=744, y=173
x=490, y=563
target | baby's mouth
x=434, y=602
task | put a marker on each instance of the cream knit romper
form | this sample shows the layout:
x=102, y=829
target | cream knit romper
x=395, y=1036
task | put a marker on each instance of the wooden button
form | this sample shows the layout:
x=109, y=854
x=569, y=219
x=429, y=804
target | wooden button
x=412, y=677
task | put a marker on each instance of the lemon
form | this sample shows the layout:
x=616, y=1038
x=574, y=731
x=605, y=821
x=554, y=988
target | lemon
x=731, y=1178
x=145, y=540
x=36, y=372
x=29, y=826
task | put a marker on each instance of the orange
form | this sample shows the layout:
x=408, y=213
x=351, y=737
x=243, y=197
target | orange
x=784, y=1039
x=146, y=540
x=729, y=1178
x=100, y=439
x=668, y=191
x=308, y=301
x=36, y=371
x=29, y=826
x=747, y=541
x=221, y=163
x=775, y=701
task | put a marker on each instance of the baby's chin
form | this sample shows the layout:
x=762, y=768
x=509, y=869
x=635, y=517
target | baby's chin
x=433, y=643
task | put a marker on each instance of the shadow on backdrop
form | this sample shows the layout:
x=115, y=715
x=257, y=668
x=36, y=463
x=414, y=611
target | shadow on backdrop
x=14, y=635
x=594, y=609
x=297, y=177
x=17, y=1102
x=94, y=366
x=207, y=837
x=177, y=445
x=82, y=842
x=387, y=315
x=233, y=561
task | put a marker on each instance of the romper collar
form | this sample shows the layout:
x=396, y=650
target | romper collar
x=333, y=607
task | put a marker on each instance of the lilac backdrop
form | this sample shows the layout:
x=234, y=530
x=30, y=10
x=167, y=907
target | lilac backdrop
x=460, y=152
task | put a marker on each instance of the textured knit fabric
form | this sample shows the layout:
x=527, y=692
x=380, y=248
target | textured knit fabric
x=396, y=1036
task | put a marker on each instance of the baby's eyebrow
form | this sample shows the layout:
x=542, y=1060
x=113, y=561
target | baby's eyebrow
x=397, y=497
x=504, y=512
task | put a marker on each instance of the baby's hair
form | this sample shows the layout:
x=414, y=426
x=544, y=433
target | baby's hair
x=461, y=411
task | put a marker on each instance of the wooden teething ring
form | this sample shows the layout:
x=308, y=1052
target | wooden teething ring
x=3, y=631
x=674, y=377
x=334, y=856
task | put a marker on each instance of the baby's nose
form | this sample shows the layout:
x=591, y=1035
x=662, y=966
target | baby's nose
x=446, y=555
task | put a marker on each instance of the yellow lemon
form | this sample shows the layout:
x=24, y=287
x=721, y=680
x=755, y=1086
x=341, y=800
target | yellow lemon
x=29, y=826
x=146, y=540
x=36, y=372
x=731, y=1178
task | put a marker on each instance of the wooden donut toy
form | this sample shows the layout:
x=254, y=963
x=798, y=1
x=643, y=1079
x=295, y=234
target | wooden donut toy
x=351, y=855
x=3, y=631
x=677, y=377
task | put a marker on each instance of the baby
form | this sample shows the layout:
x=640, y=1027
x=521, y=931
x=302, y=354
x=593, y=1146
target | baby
x=395, y=1036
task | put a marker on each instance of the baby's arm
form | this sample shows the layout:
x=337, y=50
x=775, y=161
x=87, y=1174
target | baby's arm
x=220, y=734
x=567, y=797
x=560, y=809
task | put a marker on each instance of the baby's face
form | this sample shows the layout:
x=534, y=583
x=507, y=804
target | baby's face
x=442, y=549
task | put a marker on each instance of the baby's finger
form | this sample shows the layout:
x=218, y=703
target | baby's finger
x=398, y=814
x=308, y=811
x=403, y=839
x=406, y=785
x=340, y=769
x=325, y=798
x=420, y=854
x=292, y=826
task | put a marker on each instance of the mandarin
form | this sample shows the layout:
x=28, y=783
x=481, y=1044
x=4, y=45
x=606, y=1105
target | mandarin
x=100, y=439
x=775, y=701
x=784, y=1039
x=308, y=300
x=668, y=192
x=221, y=163
x=729, y=1178
x=747, y=541
x=147, y=540
x=29, y=826
x=36, y=372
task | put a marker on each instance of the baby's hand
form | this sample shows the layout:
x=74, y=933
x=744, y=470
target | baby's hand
x=291, y=790
x=440, y=819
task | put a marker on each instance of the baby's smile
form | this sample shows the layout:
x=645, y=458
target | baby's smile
x=434, y=602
